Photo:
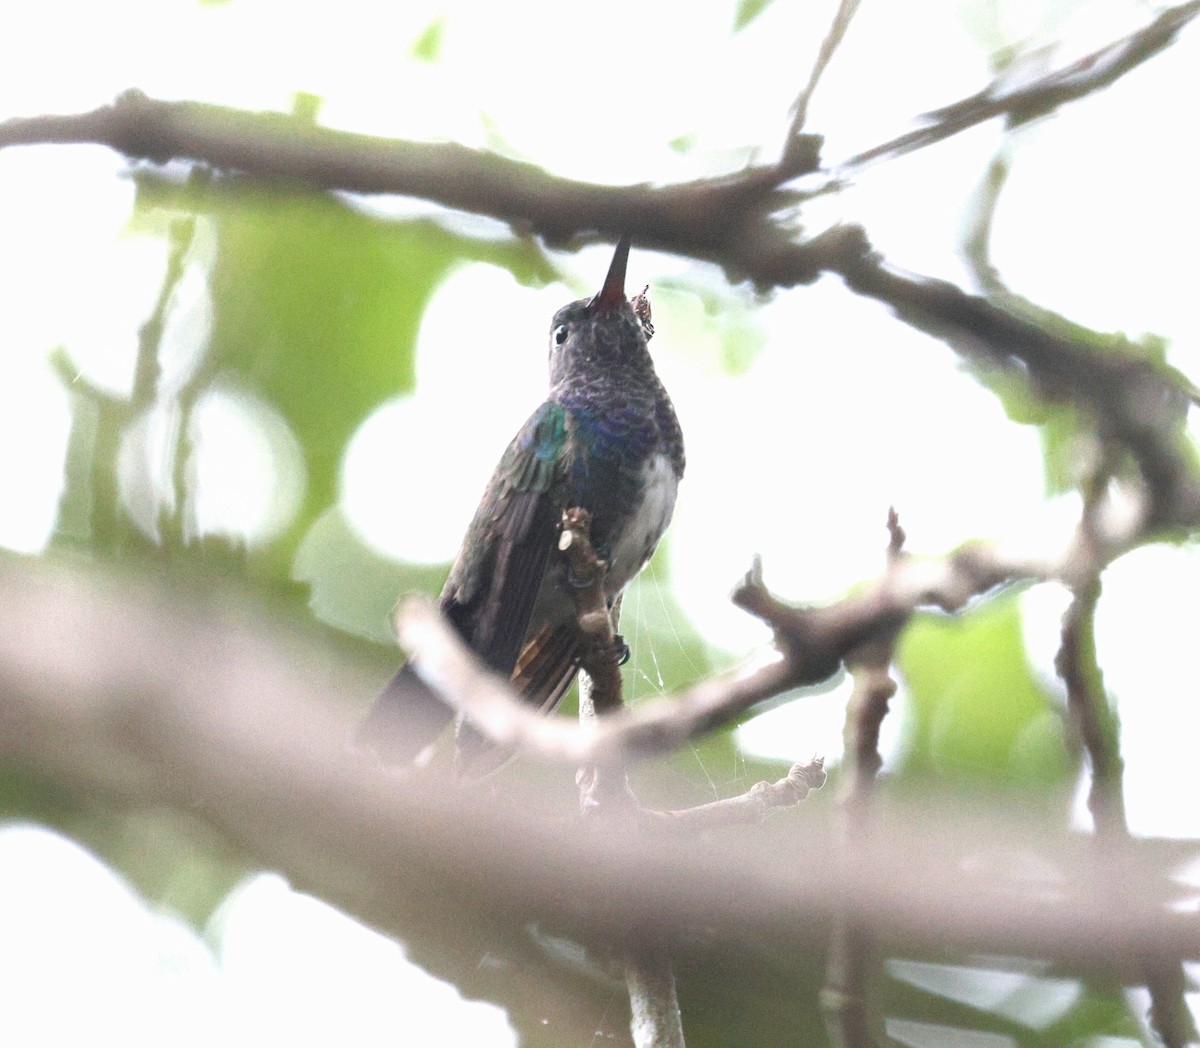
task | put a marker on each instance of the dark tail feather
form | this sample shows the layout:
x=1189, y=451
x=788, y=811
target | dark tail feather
x=543, y=674
x=547, y=667
x=405, y=719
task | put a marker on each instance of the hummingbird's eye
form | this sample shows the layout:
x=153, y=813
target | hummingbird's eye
x=560, y=334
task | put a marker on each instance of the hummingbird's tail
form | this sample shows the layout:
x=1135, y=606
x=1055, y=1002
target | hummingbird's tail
x=544, y=671
x=408, y=716
x=405, y=719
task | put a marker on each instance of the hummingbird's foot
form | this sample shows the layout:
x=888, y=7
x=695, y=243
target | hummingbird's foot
x=620, y=649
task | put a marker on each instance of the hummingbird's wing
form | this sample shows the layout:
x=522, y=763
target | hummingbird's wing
x=494, y=583
x=492, y=588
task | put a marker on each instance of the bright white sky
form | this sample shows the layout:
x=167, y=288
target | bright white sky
x=1093, y=224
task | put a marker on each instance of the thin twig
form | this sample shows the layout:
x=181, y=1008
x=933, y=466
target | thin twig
x=1135, y=401
x=976, y=247
x=846, y=999
x=813, y=642
x=746, y=808
x=1093, y=717
x=1027, y=100
x=1096, y=723
x=800, y=151
x=837, y=31
x=604, y=792
x=599, y=657
x=109, y=525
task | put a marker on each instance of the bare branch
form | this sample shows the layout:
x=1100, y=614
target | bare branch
x=814, y=642
x=851, y=967
x=799, y=152
x=604, y=792
x=600, y=658
x=655, y=1021
x=1133, y=400
x=1021, y=100
x=1097, y=727
x=750, y=807
x=723, y=219
x=733, y=221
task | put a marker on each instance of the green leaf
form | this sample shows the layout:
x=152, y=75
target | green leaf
x=353, y=588
x=976, y=711
x=428, y=46
x=316, y=308
x=306, y=106
x=747, y=12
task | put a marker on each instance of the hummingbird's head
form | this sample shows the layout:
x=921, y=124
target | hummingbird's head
x=603, y=333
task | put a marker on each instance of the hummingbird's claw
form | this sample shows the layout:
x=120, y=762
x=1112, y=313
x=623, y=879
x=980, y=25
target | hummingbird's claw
x=620, y=649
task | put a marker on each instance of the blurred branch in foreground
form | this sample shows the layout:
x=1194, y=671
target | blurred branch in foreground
x=113, y=688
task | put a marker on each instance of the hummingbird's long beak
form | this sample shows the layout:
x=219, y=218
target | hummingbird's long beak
x=612, y=294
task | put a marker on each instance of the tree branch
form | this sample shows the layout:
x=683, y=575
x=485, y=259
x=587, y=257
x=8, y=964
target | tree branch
x=1136, y=402
x=800, y=151
x=655, y=1019
x=114, y=690
x=1021, y=100
x=846, y=998
x=746, y=808
x=722, y=219
x=814, y=641
x=1096, y=724
x=734, y=221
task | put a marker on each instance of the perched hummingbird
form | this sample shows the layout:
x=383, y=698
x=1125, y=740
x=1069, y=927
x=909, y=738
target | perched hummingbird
x=606, y=440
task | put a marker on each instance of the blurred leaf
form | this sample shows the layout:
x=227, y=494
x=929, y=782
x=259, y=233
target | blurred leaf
x=747, y=12
x=352, y=587
x=306, y=106
x=1023, y=999
x=726, y=1002
x=742, y=343
x=179, y=863
x=428, y=46
x=722, y=332
x=1061, y=431
x=1062, y=439
x=683, y=143
x=26, y=795
x=976, y=711
x=316, y=310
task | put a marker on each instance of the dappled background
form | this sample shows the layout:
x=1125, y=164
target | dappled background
x=303, y=393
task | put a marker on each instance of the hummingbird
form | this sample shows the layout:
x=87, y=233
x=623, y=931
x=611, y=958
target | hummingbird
x=606, y=440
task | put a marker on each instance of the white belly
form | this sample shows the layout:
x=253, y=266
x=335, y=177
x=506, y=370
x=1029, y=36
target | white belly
x=635, y=544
